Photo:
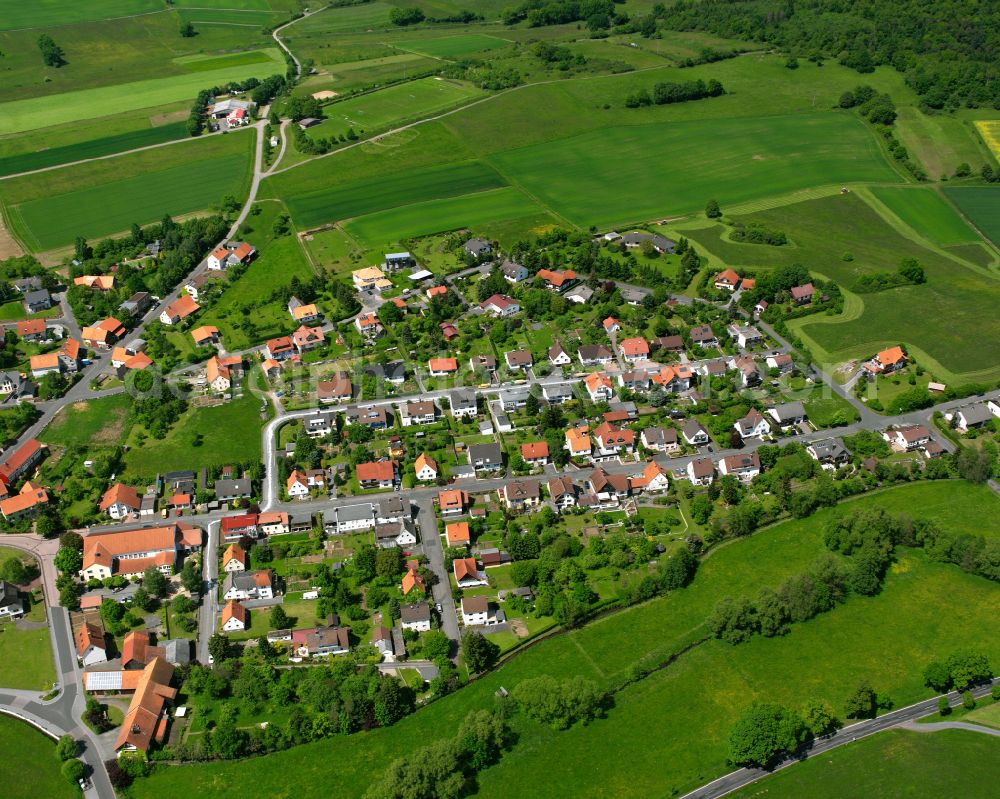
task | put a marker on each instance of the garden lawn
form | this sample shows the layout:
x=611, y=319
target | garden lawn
x=26, y=659
x=436, y=216
x=96, y=421
x=987, y=714
x=393, y=106
x=16, y=14
x=981, y=206
x=634, y=172
x=30, y=769
x=678, y=716
x=924, y=210
x=191, y=177
x=896, y=763
x=955, y=304
x=228, y=432
x=451, y=46
x=379, y=194
x=40, y=112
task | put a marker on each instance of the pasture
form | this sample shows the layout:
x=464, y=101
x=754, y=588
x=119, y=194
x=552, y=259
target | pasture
x=103, y=210
x=954, y=303
x=924, y=210
x=452, y=46
x=436, y=216
x=676, y=716
x=893, y=763
x=32, y=113
x=17, y=14
x=645, y=171
x=378, y=194
x=31, y=766
x=393, y=106
x=93, y=148
x=981, y=206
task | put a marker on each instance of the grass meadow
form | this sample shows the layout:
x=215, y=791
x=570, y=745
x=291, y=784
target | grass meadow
x=954, y=303
x=893, y=763
x=96, y=421
x=451, y=46
x=15, y=14
x=981, y=205
x=356, y=74
x=18, y=116
x=394, y=105
x=679, y=716
x=50, y=209
x=34, y=771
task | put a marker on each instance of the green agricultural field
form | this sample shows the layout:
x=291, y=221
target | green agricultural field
x=393, y=106
x=896, y=763
x=39, y=112
x=647, y=171
x=49, y=210
x=94, y=148
x=97, y=421
x=452, y=46
x=954, y=304
x=924, y=210
x=677, y=716
x=436, y=216
x=341, y=20
x=228, y=432
x=358, y=74
x=981, y=206
x=208, y=63
x=34, y=771
x=211, y=17
x=379, y=194
x=940, y=142
x=16, y=14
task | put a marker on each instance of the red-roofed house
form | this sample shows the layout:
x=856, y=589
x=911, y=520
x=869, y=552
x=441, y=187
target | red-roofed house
x=634, y=349
x=727, y=280
x=178, y=310
x=500, y=305
x=378, y=474
x=535, y=453
x=120, y=500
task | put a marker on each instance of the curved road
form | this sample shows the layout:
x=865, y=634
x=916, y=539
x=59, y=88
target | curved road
x=904, y=717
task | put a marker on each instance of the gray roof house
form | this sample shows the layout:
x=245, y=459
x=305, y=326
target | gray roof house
x=11, y=605
x=829, y=451
x=477, y=247
x=177, y=651
x=972, y=416
x=514, y=398
x=486, y=457
x=26, y=284
x=463, y=402
x=233, y=489
x=791, y=413
x=35, y=301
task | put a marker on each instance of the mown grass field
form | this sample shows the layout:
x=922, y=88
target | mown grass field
x=893, y=764
x=954, y=304
x=640, y=172
x=680, y=716
x=435, y=216
x=380, y=194
x=451, y=46
x=924, y=210
x=50, y=209
x=228, y=433
x=393, y=106
x=97, y=421
x=32, y=113
x=981, y=205
x=94, y=148
x=354, y=74
x=16, y=14
x=34, y=770
x=341, y=20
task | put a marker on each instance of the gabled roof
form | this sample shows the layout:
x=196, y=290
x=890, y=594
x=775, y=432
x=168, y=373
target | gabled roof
x=424, y=460
x=535, y=449
x=87, y=636
x=181, y=307
x=379, y=471
x=233, y=610
x=728, y=276
x=457, y=533
x=234, y=552
x=634, y=347
x=891, y=356
x=121, y=494
x=465, y=567
x=443, y=365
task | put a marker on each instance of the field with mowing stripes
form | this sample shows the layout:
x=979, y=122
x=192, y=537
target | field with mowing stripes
x=92, y=149
x=924, y=210
x=436, y=216
x=49, y=210
x=351, y=18
x=366, y=197
x=38, y=112
x=981, y=205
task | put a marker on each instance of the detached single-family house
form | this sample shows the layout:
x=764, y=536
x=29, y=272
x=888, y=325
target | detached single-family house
x=467, y=574
x=704, y=336
x=535, y=453
x=279, y=349
x=609, y=489
x=753, y=425
x=91, y=646
x=907, y=437
x=972, y=417
x=452, y=503
x=415, y=616
x=726, y=280
x=613, y=442
x=660, y=439
x=477, y=248
x=557, y=281
x=486, y=457
x=369, y=326
x=829, y=452
x=563, y=492
x=227, y=489
x=512, y=272
x=103, y=334
x=297, y=485
x=33, y=330
x=788, y=415
x=518, y=360
x=634, y=349
x=890, y=360
x=308, y=338
x=234, y=617
x=500, y=305
x=652, y=479
x=782, y=362
x=441, y=367
x=178, y=310
x=521, y=495
x=36, y=301
x=802, y=295
x=744, y=466
x=463, y=403
x=395, y=534
x=701, y=471
x=337, y=389
x=478, y=611
x=694, y=433
x=746, y=336
x=248, y=585
x=120, y=500
x=320, y=424
x=578, y=442
x=234, y=559
x=457, y=534
x=599, y=387
x=11, y=605
x=412, y=413
x=594, y=354
x=378, y=474
x=426, y=468
x=558, y=355
x=556, y=394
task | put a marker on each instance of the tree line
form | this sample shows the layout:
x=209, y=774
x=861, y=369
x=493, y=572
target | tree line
x=667, y=93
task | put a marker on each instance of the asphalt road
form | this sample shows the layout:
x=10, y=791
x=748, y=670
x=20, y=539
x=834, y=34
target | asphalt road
x=209, y=609
x=896, y=718
x=434, y=550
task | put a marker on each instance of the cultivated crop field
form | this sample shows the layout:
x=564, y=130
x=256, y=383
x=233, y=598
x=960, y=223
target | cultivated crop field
x=50, y=210
x=982, y=206
x=677, y=716
x=924, y=210
x=379, y=194
x=452, y=46
x=15, y=14
x=32, y=113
